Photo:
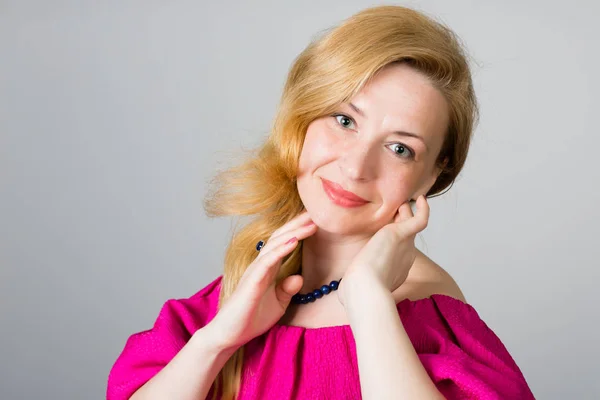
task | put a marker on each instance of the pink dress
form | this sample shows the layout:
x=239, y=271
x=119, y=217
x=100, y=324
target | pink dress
x=462, y=355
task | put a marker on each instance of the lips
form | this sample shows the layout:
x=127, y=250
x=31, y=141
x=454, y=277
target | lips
x=340, y=192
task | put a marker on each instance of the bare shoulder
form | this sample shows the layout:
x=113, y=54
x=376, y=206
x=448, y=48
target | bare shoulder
x=426, y=278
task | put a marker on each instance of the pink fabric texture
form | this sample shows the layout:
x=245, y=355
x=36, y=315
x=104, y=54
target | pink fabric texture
x=462, y=355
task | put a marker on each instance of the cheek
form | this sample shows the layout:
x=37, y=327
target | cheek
x=396, y=189
x=319, y=147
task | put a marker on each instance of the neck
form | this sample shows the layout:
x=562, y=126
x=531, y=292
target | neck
x=326, y=256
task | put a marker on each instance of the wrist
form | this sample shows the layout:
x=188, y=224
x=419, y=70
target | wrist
x=213, y=340
x=358, y=286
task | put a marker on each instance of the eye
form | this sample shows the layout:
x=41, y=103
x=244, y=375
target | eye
x=402, y=151
x=344, y=120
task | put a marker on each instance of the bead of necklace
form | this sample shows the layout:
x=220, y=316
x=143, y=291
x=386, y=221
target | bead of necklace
x=315, y=294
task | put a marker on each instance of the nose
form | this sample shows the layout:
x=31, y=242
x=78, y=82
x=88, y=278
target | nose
x=358, y=161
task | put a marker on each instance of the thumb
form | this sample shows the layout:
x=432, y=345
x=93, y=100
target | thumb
x=287, y=288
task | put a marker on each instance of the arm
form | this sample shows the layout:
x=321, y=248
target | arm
x=388, y=364
x=204, y=355
x=196, y=337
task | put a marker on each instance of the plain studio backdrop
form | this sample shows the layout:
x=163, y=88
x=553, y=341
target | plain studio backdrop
x=114, y=116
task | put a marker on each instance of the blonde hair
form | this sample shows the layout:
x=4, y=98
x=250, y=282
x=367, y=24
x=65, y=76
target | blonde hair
x=330, y=71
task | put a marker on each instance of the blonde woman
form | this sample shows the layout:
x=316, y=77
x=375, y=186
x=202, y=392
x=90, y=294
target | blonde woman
x=323, y=293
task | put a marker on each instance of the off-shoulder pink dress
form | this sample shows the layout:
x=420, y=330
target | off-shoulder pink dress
x=462, y=355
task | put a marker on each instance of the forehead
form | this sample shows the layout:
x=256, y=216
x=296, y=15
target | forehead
x=402, y=98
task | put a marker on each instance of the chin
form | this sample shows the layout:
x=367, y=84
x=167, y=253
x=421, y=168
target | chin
x=332, y=220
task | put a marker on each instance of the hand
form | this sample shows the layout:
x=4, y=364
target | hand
x=390, y=253
x=257, y=302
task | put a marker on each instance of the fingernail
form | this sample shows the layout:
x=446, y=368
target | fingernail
x=292, y=240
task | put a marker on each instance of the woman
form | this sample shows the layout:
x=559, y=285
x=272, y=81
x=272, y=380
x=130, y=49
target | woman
x=376, y=114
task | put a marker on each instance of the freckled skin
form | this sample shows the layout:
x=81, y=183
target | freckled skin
x=361, y=153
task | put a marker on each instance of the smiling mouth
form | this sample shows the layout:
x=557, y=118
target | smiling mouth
x=340, y=196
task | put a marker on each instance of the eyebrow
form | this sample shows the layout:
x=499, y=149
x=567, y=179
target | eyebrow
x=401, y=133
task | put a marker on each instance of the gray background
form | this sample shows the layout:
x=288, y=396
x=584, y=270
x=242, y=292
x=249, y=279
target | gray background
x=114, y=115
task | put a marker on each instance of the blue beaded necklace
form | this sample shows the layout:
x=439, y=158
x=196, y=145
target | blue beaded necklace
x=315, y=294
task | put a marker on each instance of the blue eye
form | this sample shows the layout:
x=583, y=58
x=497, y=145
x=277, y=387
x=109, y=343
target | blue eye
x=344, y=118
x=402, y=151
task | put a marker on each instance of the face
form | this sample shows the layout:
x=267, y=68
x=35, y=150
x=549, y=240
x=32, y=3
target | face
x=381, y=146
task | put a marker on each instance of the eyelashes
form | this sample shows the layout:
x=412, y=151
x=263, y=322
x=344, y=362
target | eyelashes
x=345, y=116
x=411, y=153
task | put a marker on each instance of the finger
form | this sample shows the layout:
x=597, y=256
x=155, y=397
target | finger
x=275, y=246
x=288, y=288
x=296, y=222
x=298, y=234
x=270, y=246
x=263, y=269
x=423, y=210
x=302, y=232
x=418, y=222
x=404, y=212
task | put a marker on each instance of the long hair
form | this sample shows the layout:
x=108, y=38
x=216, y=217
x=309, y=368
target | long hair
x=332, y=69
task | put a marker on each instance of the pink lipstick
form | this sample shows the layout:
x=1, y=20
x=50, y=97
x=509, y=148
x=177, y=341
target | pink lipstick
x=342, y=197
